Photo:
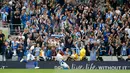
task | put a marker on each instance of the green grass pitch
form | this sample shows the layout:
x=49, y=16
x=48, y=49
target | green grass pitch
x=60, y=71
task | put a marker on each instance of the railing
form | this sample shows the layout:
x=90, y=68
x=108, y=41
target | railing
x=15, y=29
x=4, y=24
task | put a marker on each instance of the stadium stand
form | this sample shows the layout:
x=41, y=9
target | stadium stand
x=81, y=29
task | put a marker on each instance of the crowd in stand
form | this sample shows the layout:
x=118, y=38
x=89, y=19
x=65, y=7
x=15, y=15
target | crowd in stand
x=78, y=30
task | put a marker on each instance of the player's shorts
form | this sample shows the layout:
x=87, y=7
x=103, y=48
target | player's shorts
x=30, y=57
x=64, y=65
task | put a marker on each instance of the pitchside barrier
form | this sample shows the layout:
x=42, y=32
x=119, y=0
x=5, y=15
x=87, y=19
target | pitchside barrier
x=107, y=65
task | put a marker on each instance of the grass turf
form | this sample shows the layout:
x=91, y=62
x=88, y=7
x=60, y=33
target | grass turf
x=60, y=71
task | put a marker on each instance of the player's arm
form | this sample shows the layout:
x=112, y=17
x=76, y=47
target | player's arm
x=98, y=49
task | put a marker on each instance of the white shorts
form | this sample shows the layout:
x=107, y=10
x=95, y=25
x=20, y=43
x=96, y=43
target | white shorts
x=64, y=65
x=30, y=57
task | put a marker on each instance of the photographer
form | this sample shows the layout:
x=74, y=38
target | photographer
x=8, y=52
x=2, y=37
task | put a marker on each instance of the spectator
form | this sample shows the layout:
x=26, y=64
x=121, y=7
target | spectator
x=49, y=54
x=4, y=17
x=42, y=53
x=67, y=54
x=123, y=50
x=74, y=56
x=128, y=50
x=14, y=46
x=2, y=37
x=102, y=49
x=16, y=21
x=53, y=53
x=82, y=53
x=20, y=52
x=9, y=39
x=93, y=54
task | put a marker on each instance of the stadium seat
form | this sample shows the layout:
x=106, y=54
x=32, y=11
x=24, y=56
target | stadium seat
x=124, y=57
x=1, y=58
x=109, y=58
x=14, y=58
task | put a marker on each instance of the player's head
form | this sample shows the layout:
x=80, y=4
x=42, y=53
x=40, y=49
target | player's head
x=38, y=44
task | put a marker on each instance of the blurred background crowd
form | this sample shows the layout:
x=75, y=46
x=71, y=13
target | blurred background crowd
x=78, y=28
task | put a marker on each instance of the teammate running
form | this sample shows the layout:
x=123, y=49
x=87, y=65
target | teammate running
x=31, y=57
